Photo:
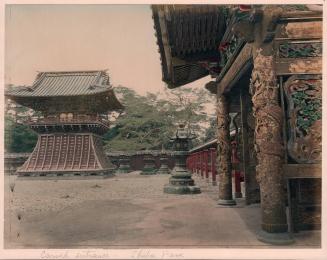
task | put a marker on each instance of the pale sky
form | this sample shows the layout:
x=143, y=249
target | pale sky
x=119, y=38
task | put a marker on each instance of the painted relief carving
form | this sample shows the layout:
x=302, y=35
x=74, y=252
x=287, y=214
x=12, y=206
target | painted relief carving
x=268, y=115
x=267, y=112
x=305, y=66
x=300, y=50
x=302, y=30
x=223, y=143
x=228, y=49
x=305, y=117
x=224, y=165
x=268, y=141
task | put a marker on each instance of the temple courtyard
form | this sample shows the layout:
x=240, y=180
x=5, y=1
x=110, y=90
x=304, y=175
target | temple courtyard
x=128, y=211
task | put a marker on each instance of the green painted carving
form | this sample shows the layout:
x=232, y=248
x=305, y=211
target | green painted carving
x=300, y=50
x=309, y=110
x=228, y=49
x=303, y=93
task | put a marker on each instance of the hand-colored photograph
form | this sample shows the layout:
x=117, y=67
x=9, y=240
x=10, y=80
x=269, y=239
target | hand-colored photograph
x=163, y=126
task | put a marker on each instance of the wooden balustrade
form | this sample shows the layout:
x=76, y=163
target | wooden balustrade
x=203, y=164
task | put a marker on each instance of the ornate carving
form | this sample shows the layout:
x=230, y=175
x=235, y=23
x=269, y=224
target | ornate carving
x=268, y=142
x=301, y=30
x=305, y=117
x=300, y=50
x=268, y=115
x=228, y=49
x=224, y=166
x=242, y=60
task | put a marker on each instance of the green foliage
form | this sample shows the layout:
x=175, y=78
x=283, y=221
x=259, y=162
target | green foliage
x=149, y=121
x=211, y=131
x=18, y=138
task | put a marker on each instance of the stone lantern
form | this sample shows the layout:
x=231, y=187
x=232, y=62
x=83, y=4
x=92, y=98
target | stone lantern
x=149, y=164
x=163, y=164
x=181, y=181
x=124, y=164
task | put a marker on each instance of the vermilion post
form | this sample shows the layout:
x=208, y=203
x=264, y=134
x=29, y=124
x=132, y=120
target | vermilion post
x=197, y=163
x=213, y=154
x=235, y=171
x=201, y=163
x=194, y=163
x=206, y=166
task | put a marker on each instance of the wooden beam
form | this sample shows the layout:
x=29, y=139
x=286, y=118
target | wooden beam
x=296, y=171
x=244, y=103
x=299, y=66
x=241, y=64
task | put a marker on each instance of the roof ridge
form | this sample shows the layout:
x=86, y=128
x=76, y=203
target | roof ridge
x=72, y=71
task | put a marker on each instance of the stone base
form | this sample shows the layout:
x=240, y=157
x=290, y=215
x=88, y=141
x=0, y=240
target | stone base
x=148, y=171
x=226, y=202
x=275, y=238
x=67, y=175
x=181, y=183
x=214, y=183
x=171, y=189
x=163, y=171
x=123, y=170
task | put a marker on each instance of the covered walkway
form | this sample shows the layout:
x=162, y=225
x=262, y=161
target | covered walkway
x=129, y=211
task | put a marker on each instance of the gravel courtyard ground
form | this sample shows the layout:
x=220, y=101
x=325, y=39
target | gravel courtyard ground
x=128, y=210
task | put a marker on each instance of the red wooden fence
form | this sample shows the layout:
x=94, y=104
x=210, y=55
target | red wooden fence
x=203, y=164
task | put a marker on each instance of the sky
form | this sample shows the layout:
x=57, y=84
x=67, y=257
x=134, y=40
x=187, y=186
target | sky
x=119, y=38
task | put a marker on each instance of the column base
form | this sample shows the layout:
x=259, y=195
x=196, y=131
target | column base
x=171, y=189
x=163, y=171
x=226, y=202
x=275, y=238
x=181, y=183
x=148, y=172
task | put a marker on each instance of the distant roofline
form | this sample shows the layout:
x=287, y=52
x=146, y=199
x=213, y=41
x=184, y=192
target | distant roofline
x=72, y=71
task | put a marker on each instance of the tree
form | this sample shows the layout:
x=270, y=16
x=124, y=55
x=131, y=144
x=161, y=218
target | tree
x=19, y=138
x=141, y=126
x=149, y=121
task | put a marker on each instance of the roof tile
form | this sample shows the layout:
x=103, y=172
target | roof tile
x=70, y=83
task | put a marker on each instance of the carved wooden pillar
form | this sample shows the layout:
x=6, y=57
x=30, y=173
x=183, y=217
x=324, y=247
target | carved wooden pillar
x=268, y=145
x=252, y=193
x=224, y=166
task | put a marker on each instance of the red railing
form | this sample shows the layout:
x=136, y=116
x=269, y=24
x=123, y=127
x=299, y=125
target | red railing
x=203, y=163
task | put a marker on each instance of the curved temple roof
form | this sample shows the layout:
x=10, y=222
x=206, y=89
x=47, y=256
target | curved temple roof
x=65, y=84
x=186, y=35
